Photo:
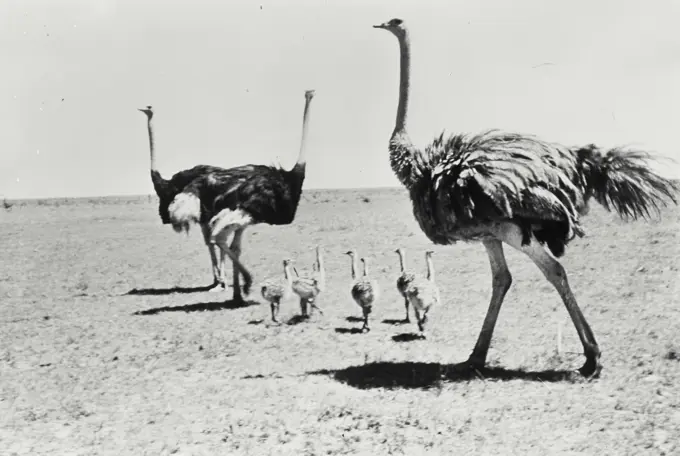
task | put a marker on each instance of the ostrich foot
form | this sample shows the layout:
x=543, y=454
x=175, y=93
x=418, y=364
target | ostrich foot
x=592, y=367
x=406, y=320
x=365, y=329
x=475, y=363
x=217, y=286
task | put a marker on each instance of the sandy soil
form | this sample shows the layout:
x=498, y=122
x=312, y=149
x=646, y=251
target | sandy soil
x=107, y=348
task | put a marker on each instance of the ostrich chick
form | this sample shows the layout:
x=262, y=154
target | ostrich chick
x=423, y=294
x=309, y=286
x=278, y=289
x=365, y=291
x=404, y=280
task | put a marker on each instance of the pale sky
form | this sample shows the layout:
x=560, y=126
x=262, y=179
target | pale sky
x=227, y=78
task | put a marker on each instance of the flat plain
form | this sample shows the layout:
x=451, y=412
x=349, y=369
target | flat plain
x=109, y=348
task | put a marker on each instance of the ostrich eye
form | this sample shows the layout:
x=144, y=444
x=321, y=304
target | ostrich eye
x=396, y=22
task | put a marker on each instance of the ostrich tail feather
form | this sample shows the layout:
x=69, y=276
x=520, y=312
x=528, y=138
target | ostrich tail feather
x=623, y=180
x=184, y=210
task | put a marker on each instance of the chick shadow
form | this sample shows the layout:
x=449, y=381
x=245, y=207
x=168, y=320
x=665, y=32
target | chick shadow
x=407, y=337
x=411, y=375
x=199, y=307
x=297, y=319
x=395, y=322
x=349, y=330
x=167, y=291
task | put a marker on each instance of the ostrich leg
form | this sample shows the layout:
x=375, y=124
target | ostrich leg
x=220, y=238
x=501, y=281
x=236, y=248
x=407, y=319
x=557, y=276
x=217, y=265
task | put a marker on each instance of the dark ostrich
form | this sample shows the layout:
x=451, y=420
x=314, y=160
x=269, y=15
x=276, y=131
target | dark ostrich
x=168, y=189
x=229, y=201
x=500, y=188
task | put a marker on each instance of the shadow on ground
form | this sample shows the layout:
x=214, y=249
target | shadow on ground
x=199, y=307
x=394, y=321
x=355, y=319
x=167, y=291
x=407, y=337
x=348, y=330
x=297, y=319
x=427, y=375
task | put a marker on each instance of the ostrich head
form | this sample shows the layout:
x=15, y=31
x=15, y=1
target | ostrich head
x=287, y=262
x=351, y=253
x=309, y=94
x=429, y=253
x=148, y=111
x=399, y=250
x=396, y=26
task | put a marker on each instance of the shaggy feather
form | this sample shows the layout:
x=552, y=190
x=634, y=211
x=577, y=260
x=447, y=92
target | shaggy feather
x=365, y=293
x=462, y=184
x=184, y=210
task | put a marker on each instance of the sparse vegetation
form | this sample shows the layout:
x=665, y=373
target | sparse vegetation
x=165, y=369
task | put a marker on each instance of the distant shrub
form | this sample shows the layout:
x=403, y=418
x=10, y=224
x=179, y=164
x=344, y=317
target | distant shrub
x=365, y=199
x=7, y=204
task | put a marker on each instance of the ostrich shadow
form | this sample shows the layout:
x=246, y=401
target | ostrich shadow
x=199, y=307
x=355, y=319
x=167, y=291
x=412, y=375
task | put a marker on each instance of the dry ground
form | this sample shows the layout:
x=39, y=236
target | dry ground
x=86, y=367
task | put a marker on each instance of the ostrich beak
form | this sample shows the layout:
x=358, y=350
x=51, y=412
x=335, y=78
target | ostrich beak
x=380, y=26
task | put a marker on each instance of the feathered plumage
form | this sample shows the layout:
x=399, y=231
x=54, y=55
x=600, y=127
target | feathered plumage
x=277, y=289
x=364, y=290
x=423, y=293
x=404, y=279
x=230, y=200
x=497, y=187
x=309, y=286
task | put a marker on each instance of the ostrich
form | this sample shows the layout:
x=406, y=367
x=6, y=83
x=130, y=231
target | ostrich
x=278, y=289
x=404, y=280
x=229, y=201
x=497, y=188
x=365, y=291
x=423, y=293
x=309, y=286
x=168, y=189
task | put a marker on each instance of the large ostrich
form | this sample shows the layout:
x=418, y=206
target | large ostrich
x=500, y=188
x=231, y=200
x=168, y=189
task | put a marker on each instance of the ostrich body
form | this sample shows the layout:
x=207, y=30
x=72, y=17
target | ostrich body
x=167, y=190
x=404, y=279
x=423, y=293
x=278, y=289
x=231, y=200
x=509, y=188
x=309, y=286
x=365, y=291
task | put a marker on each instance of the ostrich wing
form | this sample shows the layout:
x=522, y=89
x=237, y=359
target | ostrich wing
x=497, y=176
x=268, y=194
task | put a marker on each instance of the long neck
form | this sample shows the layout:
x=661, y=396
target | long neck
x=404, y=84
x=354, y=267
x=287, y=274
x=402, y=260
x=365, y=268
x=160, y=185
x=401, y=148
x=152, y=149
x=430, y=268
x=302, y=156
